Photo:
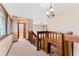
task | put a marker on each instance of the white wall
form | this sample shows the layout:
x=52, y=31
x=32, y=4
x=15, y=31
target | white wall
x=28, y=10
x=37, y=27
x=5, y=45
x=66, y=21
x=9, y=26
x=14, y=26
x=29, y=26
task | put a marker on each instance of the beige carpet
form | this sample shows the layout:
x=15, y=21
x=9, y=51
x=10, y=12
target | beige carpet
x=25, y=48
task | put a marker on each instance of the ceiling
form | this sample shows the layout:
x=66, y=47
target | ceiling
x=36, y=11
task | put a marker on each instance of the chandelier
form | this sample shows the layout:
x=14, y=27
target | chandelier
x=50, y=12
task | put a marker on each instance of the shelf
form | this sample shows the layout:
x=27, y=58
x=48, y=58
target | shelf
x=53, y=47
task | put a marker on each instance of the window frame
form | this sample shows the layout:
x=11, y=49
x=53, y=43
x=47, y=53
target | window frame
x=6, y=17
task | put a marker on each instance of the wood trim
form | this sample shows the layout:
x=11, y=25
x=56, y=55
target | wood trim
x=62, y=44
x=6, y=25
x=72, y=49
x=2, y=9
x=18, y=29
x=72, y=38
x=2, y=6
x=68, y=48
x=68, y=45
x=37, y=41
x=24, y=28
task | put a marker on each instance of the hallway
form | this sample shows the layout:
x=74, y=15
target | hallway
x=24, y=48
x=38, y=26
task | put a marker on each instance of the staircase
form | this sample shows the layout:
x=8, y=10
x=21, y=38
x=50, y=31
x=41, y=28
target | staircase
x=44, y=39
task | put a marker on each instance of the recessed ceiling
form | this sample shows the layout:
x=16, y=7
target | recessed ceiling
x=36, y=11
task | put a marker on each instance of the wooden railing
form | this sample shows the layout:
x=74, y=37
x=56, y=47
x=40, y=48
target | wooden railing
x=41, y=35
x=56, y=39
x=65, y=47
x=33, y=38
x=68, y=45
x=40, y=39
x=44, y=38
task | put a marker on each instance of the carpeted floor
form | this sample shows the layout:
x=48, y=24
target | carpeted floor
x=25, y=48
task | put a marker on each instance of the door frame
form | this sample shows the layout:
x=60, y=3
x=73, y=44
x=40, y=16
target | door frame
x=24, y=28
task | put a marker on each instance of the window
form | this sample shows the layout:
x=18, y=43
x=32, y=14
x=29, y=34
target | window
x=2, y=23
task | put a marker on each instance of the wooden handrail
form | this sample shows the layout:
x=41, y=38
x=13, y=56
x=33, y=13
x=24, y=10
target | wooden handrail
x=34, y=34
x=33, y=38
x=72, y=38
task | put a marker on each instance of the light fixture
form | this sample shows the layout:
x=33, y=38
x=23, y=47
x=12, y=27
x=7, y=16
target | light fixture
x=50, y=12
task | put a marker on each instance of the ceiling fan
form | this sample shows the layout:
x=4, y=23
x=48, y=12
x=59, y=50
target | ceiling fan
x=50, y=12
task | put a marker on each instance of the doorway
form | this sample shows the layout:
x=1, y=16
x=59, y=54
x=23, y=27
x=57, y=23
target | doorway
x=21, y=33
x=21, y=30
